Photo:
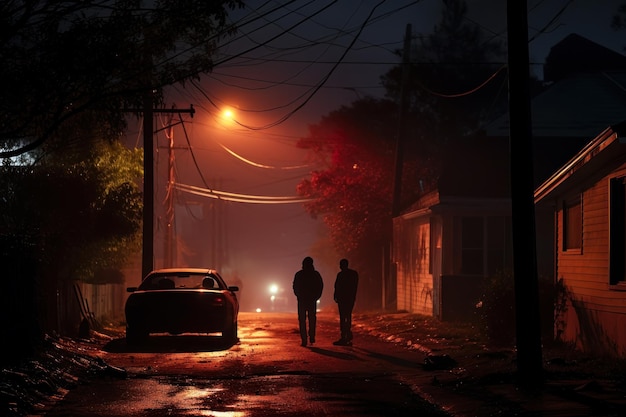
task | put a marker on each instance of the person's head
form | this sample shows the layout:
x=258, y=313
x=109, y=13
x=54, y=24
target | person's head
x=343, y=264
x=307, y=262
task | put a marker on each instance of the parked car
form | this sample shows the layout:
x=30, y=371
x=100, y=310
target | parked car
x=182, y=300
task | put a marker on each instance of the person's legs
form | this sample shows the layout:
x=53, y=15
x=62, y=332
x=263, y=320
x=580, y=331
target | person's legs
x=345, y=322
x=302, y=321
x=312, y=321
x=348, y=321
x=342, y=321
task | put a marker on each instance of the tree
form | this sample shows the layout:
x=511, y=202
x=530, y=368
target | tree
x=450, y=69
x=60, y=59
x=619, y=19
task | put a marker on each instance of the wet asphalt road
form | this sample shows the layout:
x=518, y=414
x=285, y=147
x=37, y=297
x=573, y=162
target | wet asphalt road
x=267, y=373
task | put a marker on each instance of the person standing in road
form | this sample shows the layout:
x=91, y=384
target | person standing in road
x=307, y=286
x=345, y=295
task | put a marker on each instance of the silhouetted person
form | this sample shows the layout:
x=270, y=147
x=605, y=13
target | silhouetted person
x=346, y=285
x=307, y=286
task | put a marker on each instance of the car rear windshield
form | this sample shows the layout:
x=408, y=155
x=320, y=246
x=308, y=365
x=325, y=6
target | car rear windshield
x=171, y=281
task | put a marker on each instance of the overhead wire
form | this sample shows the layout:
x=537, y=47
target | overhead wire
x=249, y=162
x=551, y=21
x=319, y=85
x=324, y=79
x=208, y=191
x=468, y=92
x=239, y=198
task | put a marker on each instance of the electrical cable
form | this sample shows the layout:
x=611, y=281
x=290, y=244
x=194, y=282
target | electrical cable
x=466, y=93
x=239, y=198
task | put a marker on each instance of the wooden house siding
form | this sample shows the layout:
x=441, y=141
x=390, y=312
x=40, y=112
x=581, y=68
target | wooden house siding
x=593, y=314
x=414, y=281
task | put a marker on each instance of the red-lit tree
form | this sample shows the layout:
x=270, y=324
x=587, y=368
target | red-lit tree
x=352, y=194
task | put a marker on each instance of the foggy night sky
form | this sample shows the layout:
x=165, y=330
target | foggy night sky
x=266, y=243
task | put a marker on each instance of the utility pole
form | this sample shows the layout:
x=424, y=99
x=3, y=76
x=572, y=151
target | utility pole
x=527, y=326
x=402, y=110
x=170, y=218
x=388, y=280
x=147, y=259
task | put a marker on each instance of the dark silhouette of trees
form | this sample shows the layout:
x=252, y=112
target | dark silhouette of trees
x=60, y=59
x=457, y=79
x=619, y=19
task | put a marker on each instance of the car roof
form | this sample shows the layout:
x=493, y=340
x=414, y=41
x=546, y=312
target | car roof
x=184, y=270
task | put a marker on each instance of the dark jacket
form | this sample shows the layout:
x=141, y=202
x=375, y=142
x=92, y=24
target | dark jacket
x=308, y=284
x=346, y=285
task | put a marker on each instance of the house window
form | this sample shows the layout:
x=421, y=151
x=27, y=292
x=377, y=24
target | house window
x=434, y=266
x=572, y=224
x=486, y=245
x=617, y=230
x=499, y=244
x=472, y=249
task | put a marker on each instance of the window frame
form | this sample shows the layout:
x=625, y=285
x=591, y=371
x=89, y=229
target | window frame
x=570, y=244
x=617, y=232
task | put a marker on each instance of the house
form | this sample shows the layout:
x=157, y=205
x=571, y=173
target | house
x=587, y=197
x=450, y=240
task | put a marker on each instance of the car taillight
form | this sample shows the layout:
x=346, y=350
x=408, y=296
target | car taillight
x=218, y=301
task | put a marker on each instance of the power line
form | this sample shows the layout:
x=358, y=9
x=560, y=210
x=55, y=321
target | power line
x=240, y=198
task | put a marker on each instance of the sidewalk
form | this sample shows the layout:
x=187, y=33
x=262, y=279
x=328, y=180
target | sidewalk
x=466, y=377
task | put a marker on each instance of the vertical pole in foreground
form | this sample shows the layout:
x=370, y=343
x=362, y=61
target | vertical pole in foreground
x=147, y=259
x=402, y=110
x=528, y=329
x=388, y=277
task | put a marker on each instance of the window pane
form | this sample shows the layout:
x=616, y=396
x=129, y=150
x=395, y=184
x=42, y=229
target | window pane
x=573, y=225
x=472, y=245
x=617, y=231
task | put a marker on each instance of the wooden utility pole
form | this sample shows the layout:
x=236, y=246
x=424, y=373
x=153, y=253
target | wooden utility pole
x=528, y=328
x=388, y=272
x=147, y=259
x=402, y=110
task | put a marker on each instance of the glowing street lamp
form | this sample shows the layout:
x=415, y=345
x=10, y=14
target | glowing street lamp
x=227, y=116
x=273, y=291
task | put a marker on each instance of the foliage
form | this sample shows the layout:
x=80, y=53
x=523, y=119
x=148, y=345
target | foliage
x=447, y=87
x=82, y=211
x=619, y=19
x=352, y=194
x=496, y=309
x=60, y=59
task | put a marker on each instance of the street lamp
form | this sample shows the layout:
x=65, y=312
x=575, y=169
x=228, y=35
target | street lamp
x=273, y=292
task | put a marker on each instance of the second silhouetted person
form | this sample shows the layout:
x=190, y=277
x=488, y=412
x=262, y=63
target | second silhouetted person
x=345, y=295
